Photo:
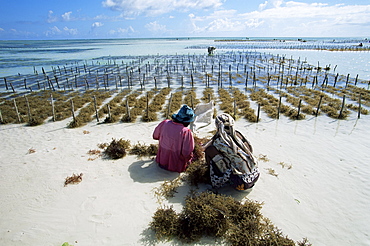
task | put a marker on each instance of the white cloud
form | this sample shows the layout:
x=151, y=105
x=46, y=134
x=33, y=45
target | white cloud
x=224, y=25
x=70, y=31
x=122, y=31
x=55, y=31
x=1, y=29
x=221, y=14
x=64, y=17
x=276, y=3
x=97, y=24
x=291, y=18
x=51, y=17
x=253, y=23
x=262, y=6
x=67, y=16
x=156, y=28
x=100, y=17
x=158, y=7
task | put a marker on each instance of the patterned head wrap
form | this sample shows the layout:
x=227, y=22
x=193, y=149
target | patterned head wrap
x=225, y=129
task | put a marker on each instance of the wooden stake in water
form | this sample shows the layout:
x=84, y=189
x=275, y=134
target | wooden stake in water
x=51, y=86
x=120, y=80
x=96, y=82
x=336, y=79
x=318, y=106
x=278, y=110
x=281, y=81
x=128, y=110
x=106, y=82
x=86, y=84
x=76, y=81
x=56, y=81
x=347, y=80
x=246, y=81
x=341, y=110
x=299, y=108
x=11, y=85
x=230, y=79
x=359, y=107
x=147, y=105
x=254, y=79
x=144, y=80
x=6, y=84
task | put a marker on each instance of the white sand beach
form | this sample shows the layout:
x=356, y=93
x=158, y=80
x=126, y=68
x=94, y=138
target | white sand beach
x=321, y=191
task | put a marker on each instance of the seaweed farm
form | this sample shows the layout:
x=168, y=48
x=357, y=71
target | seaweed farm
x=249, y=85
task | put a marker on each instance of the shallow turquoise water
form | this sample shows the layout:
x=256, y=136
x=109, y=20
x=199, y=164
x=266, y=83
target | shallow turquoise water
x=25, y=57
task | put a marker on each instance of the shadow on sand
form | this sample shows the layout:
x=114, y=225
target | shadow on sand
x=148, y=171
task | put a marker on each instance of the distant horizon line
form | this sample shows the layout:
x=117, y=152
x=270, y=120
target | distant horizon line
x=256, y=38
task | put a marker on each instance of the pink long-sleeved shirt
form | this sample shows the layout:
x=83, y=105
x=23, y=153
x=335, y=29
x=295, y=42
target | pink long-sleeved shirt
x=176, y=145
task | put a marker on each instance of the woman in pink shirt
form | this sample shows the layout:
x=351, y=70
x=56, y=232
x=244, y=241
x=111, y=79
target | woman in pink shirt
x=176, y=142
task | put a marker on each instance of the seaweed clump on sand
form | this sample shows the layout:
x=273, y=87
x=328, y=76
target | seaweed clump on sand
x=142, y=150
x=221, y=217
x=165, y=223
x=198, y=152
x=74, y=179
x=168, y=188
x=117, y=148
x=198, y=171
x=110, y=119
x=35, y=121
x=150, y=116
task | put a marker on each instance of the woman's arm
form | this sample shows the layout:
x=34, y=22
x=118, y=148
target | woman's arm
x=158, y=130
x=187, y=145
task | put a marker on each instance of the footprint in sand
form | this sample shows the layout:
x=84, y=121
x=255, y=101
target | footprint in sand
x=88, y=204
x=100, y=218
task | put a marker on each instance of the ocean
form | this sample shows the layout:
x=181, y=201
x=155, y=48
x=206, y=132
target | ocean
x=31, y=56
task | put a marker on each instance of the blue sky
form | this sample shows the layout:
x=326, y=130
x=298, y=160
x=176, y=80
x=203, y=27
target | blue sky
x=80, y=19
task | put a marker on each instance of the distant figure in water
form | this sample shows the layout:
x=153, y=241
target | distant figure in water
x=176, y=141
x=360, y=45
x=211, y=50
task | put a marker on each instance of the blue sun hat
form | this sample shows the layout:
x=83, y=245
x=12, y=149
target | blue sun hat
x=185, y=114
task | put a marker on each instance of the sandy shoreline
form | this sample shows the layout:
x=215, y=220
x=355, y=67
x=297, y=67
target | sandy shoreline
x=324, y=196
